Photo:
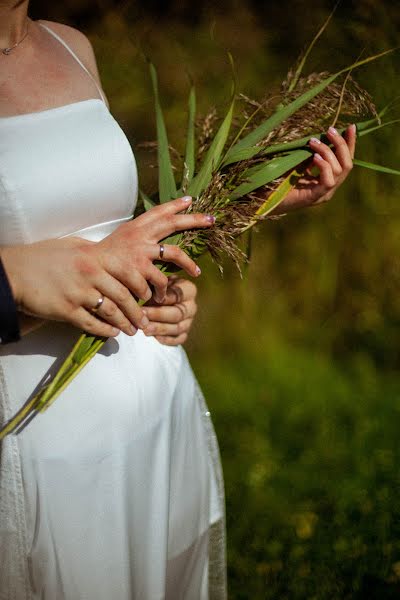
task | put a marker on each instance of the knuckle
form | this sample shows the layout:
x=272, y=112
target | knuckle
x=143, y=291
x=163, y=280
x=122, y=296
x=110, y=310
x=176, y=315
x=88, y=325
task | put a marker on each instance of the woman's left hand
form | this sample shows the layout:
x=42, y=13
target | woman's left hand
x=170, y=322
x=334, y=165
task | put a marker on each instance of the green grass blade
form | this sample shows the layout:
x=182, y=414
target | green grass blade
x=363, y=128
x=97, y=345
x=261, y=175
x=148, y=203
x=285, y=112
x=83, y=348
x=275, y=198
x=166, y=180
x=212, y=159
x=307, y=52
x=371, y=129
x=373, y=167
x=189, y=166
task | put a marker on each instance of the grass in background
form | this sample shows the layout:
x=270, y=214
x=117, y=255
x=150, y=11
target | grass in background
x=300, y=364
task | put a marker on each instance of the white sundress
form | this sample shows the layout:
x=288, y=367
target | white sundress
x=116, y=490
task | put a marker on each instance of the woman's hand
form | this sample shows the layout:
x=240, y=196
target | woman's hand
x=334, y=165
x=170, y=322
x=63, y=279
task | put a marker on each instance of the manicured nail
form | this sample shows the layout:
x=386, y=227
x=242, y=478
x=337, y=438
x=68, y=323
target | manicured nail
x=315, y=140
x=144, y=322
x=187, y=199
x=115, y=331
x=198, y=271
x=210, y=219
x=333, y=131
x=353, y=128
x=318, y=156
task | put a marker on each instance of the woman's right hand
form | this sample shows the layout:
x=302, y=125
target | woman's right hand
x=63, y=279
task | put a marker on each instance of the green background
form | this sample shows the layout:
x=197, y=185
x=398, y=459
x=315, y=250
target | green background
x=299, y=360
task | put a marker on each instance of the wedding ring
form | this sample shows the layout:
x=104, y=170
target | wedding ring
x=98, y=305
x=162, y=249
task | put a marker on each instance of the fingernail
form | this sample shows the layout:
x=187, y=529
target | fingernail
x=333, y=131
x=144, y=322
x=315, y=140
x=132, y=330
x=115, y=331
x=353, y=128
x=187, y=198
x=318, y=156
x=198, y=271
x=210, y=219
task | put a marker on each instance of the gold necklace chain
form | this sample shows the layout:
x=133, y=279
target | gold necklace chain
x=7, y=51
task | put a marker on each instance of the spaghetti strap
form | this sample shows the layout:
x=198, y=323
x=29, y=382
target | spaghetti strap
x=76, y=58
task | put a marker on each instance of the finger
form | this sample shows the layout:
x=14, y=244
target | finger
x=351, y=139
x=171, y=314
x=327, y=179
x=111, y=288
x=136, y=283
x=178, y=291
x=159, y=282
x=172, y=340
x=82, y=319
x=110, y=312
x=167, y=226
x=177, y=256
x=342, y=150
x=327, y=154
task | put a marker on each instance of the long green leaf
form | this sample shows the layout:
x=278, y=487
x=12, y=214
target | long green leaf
x=189, y=166
x=373, y=167
x=166, y=180
x=363, y=128
x=371, y=129
x=260, y=132
x=275, y=198
x=212, y=159
x=306, y=54
x=267, y=172
x=147, y=201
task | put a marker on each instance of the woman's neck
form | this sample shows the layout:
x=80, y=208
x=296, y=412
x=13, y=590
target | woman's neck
x=13, y=21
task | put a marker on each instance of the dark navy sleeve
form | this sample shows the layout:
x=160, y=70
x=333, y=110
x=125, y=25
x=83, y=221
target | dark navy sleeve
x=9, y=329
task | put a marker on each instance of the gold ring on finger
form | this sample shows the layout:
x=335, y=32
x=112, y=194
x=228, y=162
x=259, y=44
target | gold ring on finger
x=98, y=304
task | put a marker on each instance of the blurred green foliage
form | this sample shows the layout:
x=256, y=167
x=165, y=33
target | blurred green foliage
x=299, y=361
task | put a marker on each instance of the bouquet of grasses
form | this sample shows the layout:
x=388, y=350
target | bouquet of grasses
x=238, y=168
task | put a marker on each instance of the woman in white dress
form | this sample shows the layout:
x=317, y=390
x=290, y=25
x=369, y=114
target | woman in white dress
x=116, y=490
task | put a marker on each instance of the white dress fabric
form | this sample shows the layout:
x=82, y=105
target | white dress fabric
x=116, y=490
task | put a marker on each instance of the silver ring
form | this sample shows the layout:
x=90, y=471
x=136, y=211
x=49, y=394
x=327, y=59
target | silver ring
x=98, y=305
x=162, y=250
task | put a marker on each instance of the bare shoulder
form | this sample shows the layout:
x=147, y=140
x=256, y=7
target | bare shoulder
x=78, y=42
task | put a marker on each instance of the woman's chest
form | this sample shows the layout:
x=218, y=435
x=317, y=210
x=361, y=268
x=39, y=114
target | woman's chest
x=63, y=170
